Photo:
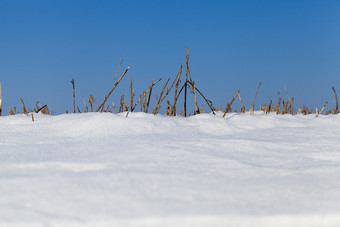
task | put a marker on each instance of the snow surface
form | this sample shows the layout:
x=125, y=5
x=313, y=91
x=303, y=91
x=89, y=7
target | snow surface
x=101, y=169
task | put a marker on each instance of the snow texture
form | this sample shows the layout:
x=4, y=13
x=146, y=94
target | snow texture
x=101, y=169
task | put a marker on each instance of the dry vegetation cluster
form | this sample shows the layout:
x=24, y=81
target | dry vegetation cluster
x=179, y=88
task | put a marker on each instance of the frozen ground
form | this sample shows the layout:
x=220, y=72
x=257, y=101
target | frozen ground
x=145, y=170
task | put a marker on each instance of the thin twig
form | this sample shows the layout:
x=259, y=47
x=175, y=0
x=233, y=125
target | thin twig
x=196, y=105
x=177, y=84
x=225, y=112
x=74, y=96
x=149, y=96
x=121, y=62
x=252, y=109
x=132, y=94
x=108, y=95
x=318, y=112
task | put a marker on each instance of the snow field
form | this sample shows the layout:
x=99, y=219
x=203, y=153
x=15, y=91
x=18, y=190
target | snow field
x=102, y=169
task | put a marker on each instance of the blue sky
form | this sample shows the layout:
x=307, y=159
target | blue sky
x=233, y=45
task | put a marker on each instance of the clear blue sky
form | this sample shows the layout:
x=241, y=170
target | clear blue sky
x=233, y=45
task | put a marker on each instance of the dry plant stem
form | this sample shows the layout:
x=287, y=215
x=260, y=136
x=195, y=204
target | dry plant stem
x=74, y=96
x=187, y=63
x=10, y=110
x=328, y=112
x=205, y=99
x=23, y=107
x=108, y=95
x=78, y=109
x=225, y=112
x=291, y=106
x=131, y=94
x=299, y=111
x=269, y=107
x=243, y=109
x=168, y=109
x=285, y=106
x=121, y=104
x=84, y=105
x=40, y=109
x=144, y=102
x=278, y=106
x=177, y=84
x=335, y=106
x=168, y=91
x=156, y=109
x=185, y=92
x=196, y=105
x=149, y=96
x=144, y=93
x=90, y=104
x=121, y=62
x=0, y=100
x=186, y=82
x=32, y=118
x=141, y=105
x=126, y=108
x=318, y=112
x=253, y=107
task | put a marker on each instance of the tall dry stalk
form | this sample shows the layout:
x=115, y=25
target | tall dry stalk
x=121, y=62
x=74, y=96
x=335, y=106
x=121, y=107
x=144, y=102
x=228, y=107
x=278, y=106
x=177, y=84
x=132, y=94
x=149, y=96
x=243, y=109
x=23, y=107
x=91, y=101
x=108, y=95
x=85, y=109
x=252, y=108
x=269, y=109
x=186, y=82
x=197, y=111
x=291, y=106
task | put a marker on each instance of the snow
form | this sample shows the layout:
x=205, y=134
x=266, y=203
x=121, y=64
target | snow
x=102, y=169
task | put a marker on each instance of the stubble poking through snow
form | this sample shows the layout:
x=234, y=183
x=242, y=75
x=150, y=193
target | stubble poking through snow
x=105, y=169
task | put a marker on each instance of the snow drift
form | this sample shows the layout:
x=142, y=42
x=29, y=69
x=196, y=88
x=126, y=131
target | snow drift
x=101, y=169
